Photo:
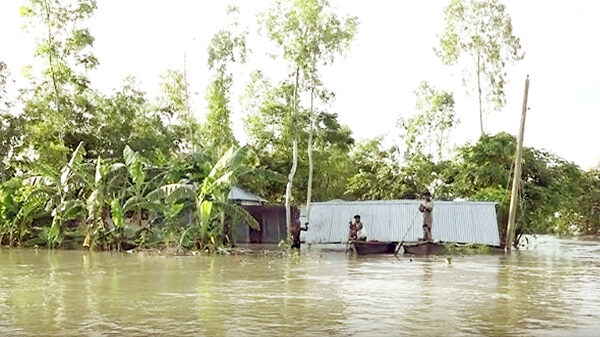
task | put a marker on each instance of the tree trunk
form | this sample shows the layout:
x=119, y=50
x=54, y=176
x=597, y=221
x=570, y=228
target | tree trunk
x=51, y=64
x=310, y=157
x=288, y=189
x=479, y=89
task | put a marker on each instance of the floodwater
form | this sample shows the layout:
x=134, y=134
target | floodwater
x=552, y=288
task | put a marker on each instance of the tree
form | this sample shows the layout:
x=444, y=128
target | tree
x=376, y=171
x=481, y=33
x=227, y=46
x=549, y=186
x=270, y=132
x=382, y=173
x=428, y=131
x=174, y=105
x=125, y=118
x=58, y=108
x=308, y=35
x=581, y=213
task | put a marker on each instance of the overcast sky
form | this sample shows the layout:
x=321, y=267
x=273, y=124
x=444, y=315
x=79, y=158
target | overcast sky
x=374, y=83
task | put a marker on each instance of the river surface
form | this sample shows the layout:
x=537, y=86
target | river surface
x=550, y=289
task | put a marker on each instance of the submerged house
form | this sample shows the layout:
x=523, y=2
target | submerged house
x=390, y=220
x=271, y=218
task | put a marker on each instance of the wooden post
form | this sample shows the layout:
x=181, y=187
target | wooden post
x=512, y=213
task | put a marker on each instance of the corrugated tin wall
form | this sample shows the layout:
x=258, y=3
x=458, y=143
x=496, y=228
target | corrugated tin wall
x=466, y=222
x=272, y=225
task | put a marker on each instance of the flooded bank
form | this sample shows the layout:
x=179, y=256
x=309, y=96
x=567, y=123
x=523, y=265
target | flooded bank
x=552, y=288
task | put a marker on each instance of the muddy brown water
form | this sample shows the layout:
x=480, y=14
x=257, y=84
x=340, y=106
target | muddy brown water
x=552, y=288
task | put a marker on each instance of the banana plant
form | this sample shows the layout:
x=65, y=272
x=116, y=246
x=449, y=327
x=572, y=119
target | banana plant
x=213, y=209
x=9, y=209
x=63, y=191
x=102, y=199
x=137, y=200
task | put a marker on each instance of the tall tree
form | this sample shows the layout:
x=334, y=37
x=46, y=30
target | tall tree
x=427, y=132
x=270, y=132
x=227, y=46
x=58, y=108
x=126, y=117
x=309, y=35
x=481, y=33
x=174, y=104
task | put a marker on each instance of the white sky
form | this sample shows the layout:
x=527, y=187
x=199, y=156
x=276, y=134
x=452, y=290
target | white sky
x=374, y=84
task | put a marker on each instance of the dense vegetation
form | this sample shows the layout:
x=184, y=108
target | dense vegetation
x=79, y=167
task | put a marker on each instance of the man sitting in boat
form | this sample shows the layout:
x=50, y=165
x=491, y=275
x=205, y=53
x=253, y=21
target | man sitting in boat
x=426, y=208
x=357, y=230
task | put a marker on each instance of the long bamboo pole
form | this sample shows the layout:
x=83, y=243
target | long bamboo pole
x=512, y=213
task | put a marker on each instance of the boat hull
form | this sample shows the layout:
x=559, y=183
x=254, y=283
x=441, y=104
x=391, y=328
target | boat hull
x=373, y=247
x=423, y=248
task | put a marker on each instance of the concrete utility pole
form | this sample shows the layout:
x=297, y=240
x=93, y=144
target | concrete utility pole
x=512, y=213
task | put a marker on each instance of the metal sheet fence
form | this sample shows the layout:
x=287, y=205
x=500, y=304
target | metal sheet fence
x=466, y=222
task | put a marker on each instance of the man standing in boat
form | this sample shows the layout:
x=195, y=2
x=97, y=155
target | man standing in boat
x=426, y=208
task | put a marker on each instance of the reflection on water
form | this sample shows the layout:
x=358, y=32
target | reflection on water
x=553, y=288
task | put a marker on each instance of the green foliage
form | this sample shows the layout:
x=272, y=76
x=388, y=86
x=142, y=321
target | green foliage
x=271, y=127
x=375, y=169
x=215, y=215
x=226, y=47
x=580, y=214
x=555, y=195
x=58, y=108
x=308, y=32
x=428, y=131
x=549, y=185
x=481, y=32
x=174, y=105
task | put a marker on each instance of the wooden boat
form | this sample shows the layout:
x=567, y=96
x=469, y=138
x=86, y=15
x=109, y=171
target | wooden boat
x=423, y=248
x=373, y=247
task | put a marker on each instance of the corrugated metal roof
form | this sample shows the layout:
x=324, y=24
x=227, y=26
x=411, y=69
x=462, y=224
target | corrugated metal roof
x=246, y=198
x=464, y=221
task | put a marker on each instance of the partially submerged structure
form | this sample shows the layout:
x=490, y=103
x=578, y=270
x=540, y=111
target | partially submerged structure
x=390, y=220
x=271, y=219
